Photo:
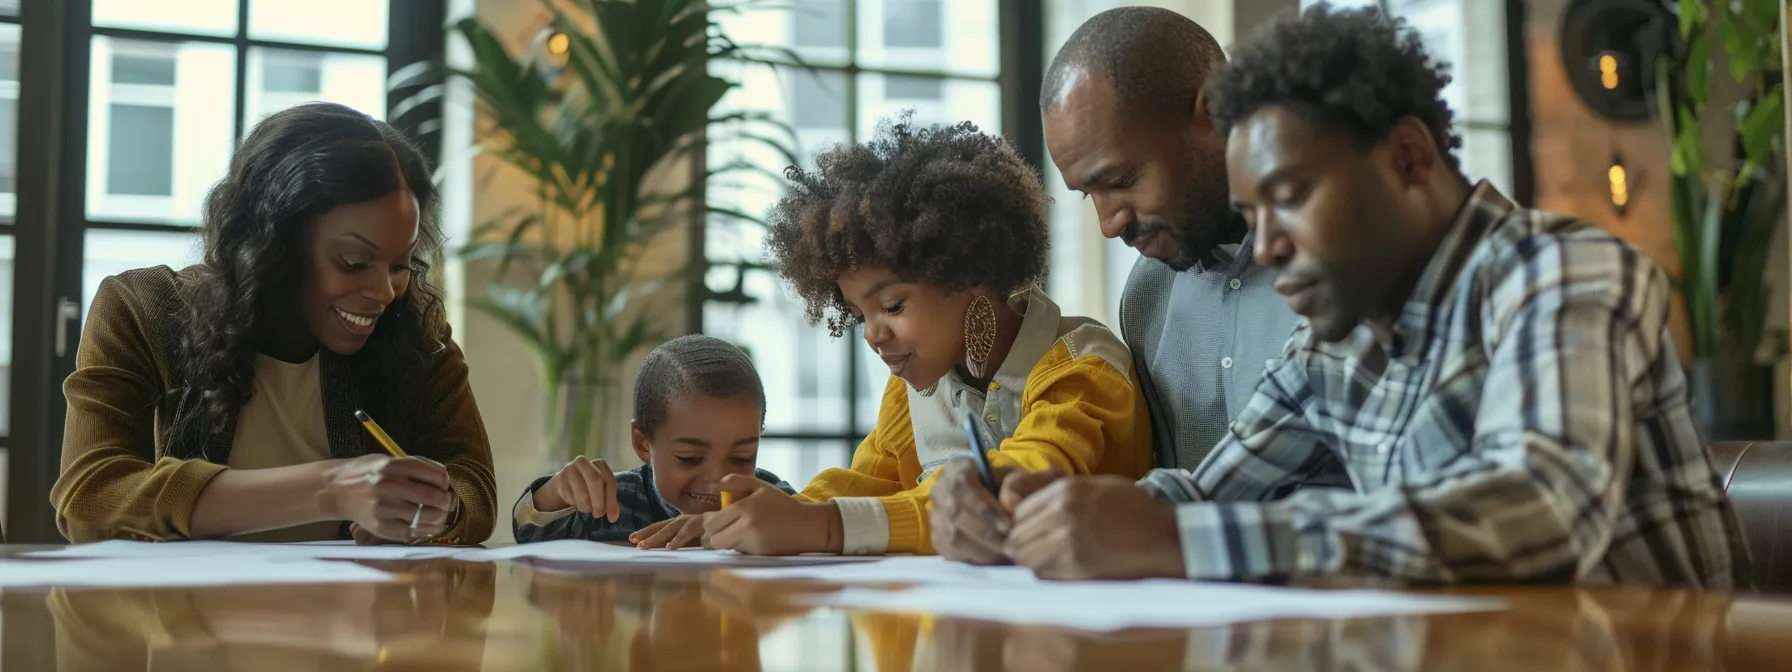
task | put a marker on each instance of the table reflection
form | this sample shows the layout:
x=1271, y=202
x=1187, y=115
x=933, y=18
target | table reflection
x=665, y=621
x=1554, y=629
x=432, y=619
x=450, y=615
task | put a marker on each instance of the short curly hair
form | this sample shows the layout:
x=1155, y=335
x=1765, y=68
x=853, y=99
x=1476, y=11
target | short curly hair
x=948, y=206
x=1355, y=70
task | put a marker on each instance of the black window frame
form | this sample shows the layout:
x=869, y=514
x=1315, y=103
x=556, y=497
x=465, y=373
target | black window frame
x=55, y=80
x=1020, y=27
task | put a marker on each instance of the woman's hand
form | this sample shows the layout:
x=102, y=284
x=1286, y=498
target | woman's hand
x=383, y=495
x=583, y=484
x=671, y=534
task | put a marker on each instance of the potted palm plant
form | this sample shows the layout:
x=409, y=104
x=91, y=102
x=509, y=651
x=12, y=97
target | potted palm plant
x=1725, y=214
x=611, y=97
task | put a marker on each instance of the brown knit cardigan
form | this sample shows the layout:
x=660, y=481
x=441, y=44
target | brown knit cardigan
x=121, y=480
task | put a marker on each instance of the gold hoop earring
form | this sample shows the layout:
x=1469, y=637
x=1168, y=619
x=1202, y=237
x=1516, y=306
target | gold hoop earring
x=979, y=334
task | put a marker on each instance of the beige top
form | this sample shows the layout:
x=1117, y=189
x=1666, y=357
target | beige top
x=283, y=425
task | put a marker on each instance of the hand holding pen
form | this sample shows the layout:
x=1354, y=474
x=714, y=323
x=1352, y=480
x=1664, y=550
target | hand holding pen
x=391, y=497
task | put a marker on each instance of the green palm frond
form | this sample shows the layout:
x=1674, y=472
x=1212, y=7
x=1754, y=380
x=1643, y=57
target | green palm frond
x=631, y=94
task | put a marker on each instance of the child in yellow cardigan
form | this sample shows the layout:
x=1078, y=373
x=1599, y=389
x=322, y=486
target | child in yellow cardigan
x=934, y=239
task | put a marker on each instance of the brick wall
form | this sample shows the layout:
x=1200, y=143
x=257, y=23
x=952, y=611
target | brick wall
x=1572, y=148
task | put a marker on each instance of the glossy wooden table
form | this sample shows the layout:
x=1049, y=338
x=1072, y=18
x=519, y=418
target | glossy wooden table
x=452, y=615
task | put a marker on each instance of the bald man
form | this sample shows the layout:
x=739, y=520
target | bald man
x=1128, y=126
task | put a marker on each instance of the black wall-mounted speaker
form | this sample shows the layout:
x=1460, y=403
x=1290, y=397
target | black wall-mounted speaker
x=1610, y=50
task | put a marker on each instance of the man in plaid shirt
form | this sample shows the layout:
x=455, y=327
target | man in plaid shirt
x=1499, y=382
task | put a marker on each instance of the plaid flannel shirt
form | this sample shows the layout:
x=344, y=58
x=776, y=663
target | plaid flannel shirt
x=1527, y=421
x=640, y=502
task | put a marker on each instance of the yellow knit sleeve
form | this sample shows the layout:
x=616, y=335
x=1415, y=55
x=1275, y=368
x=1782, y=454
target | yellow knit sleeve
x=1080, y=415
x=883, y=463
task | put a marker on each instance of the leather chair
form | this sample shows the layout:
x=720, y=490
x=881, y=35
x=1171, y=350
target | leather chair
x=1758, y=477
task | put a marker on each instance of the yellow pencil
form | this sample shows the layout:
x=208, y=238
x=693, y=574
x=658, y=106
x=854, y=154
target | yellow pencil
x=379, y=434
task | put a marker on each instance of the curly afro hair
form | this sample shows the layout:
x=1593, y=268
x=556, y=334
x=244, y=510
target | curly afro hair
x=1355, y=70
x=946, y=206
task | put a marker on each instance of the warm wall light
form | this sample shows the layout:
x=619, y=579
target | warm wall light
x=1619, y=180
x=1608, y=71
x=558, y=44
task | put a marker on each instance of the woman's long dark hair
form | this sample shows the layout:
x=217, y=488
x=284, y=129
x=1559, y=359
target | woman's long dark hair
x=295, y=166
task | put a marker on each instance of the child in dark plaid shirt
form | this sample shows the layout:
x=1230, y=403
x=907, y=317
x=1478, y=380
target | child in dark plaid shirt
x=699, y=409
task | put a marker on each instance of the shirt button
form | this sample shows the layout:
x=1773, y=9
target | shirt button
x=1236, y=284
x=1226, y=362
x=994, y=386
x=991, y=418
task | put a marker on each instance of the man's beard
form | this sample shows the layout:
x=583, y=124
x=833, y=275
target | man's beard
x=1201, y=231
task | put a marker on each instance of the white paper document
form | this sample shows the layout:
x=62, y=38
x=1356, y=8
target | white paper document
x=1106, y=606
x=908, y=569
x=172, y=571
x=120, y=549
x=577, y=550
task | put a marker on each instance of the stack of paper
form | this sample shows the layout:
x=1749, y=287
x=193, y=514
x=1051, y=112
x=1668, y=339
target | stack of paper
x=193, y=549
x=574, y=550
x=1106, y=606
x=897, y=569
x=180, y=571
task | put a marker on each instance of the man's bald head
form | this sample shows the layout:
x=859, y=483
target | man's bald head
x=1156, y=61
x=1125, y=125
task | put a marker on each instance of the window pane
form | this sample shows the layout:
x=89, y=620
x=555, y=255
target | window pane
x=348, y=23
x=912, y=23
x=903, y=87
x=797, y=462
x=280, y=78
x=9, y=117
x=161, y=128
x=816, y=100
x=1487, y=155
x=803, y=368
x=817, y=30
x=145, y=133
x=200, y=17
x=9, y=7
x=6, y=257
x=975, y=101
x=1470, y=36
x=110, y=252
x=959, y=37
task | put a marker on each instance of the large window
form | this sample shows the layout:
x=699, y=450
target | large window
x=869, y=59
x=172, y=87
x=9, y=162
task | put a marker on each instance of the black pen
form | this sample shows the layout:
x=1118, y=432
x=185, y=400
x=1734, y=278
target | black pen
x=977, y=456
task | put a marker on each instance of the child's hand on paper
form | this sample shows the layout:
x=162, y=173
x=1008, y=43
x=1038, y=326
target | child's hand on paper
x=583, y=484
x=765, y=521
x=671, y=534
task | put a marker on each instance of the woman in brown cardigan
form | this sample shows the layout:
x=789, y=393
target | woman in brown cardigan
x=218, y=401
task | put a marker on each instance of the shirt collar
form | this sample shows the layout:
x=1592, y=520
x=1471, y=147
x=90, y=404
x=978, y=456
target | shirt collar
x=1038, y=333
x=653, y=491
x=1482, y=210
x=1228, y=261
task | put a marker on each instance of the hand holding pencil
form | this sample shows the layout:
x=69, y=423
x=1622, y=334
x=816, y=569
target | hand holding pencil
x=390, y=497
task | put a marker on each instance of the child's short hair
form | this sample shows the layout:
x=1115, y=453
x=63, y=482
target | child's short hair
x=693, y=365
